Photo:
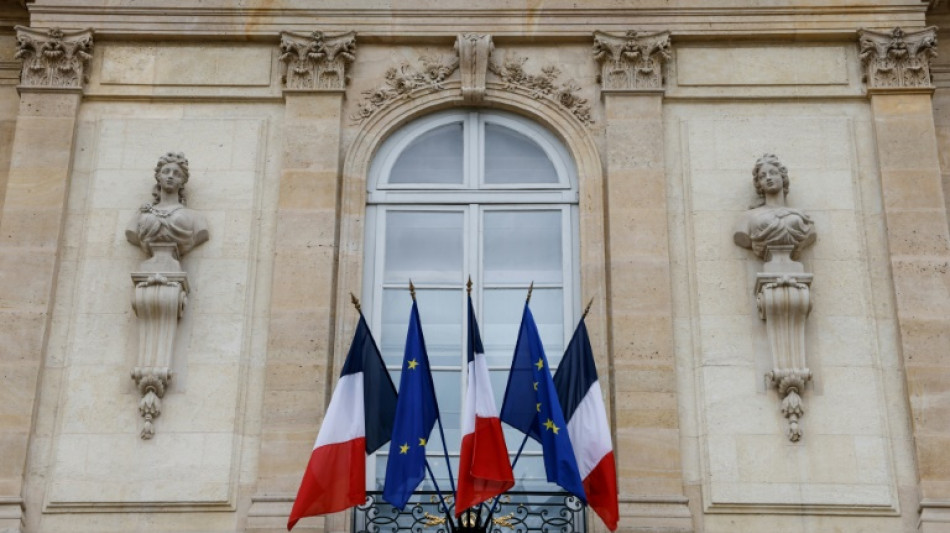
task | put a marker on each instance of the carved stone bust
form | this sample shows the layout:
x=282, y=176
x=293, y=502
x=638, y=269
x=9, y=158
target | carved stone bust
x=165, y=229
x=772, y=224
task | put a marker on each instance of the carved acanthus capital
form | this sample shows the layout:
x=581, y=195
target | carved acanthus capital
x=897, y=59
x=53, y=58
x=633, y=62
x=474, y=51
x=314, y=61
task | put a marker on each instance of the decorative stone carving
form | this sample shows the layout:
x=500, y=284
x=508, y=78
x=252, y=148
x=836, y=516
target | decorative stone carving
x=512, y=74
x=165, y=230
x=474, y=51
x=634, y=62
x=407, y=82
x=53, y=58
x=314, y=61
x=777, y=234
x=897, y=59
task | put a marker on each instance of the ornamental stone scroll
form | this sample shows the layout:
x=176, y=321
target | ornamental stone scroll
x=777, y=234
x=165, y=230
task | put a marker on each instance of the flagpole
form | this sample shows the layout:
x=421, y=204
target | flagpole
x=438, y=418
x=445, y=506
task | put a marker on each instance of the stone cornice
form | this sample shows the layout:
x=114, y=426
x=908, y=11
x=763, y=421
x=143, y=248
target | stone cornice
x=162, y=20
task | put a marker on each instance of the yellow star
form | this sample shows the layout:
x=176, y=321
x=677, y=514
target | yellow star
x=422, y=441
x=535, y=385
x=412, y=364
x=550, y=425
x=404, y=449
x=540, y=363
x=539, y=407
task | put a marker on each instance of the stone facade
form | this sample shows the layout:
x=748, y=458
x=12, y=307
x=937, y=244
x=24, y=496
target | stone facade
x=798, y=389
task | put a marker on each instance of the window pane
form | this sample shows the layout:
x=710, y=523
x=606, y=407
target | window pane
x=435, y=157
x=502, y=318
x=425, y=246
x=522, y=246
x=510, y=157
x=440, y=311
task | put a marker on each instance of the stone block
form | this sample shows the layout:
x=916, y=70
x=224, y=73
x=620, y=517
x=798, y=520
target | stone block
x=925, y=340
x=760, y=65
x=912, y=189
x=26, y=277
x=922, y=287
x=918, y=232
x=300, y=189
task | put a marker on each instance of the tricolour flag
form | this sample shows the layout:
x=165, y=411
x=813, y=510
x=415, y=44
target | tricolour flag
x=583, y=407
x=484, y=470
x=416, y=413
x=531, y=406
x=358, y=421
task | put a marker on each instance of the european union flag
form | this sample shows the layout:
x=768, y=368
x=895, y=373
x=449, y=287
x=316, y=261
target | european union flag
x=416, y=413
x=531, y=406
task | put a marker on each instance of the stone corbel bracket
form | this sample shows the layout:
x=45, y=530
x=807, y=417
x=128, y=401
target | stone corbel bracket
x=474, y=51
x=784, y=302
x=53, y=58
x=632, y=62
x=897, y=60
x=314, y=61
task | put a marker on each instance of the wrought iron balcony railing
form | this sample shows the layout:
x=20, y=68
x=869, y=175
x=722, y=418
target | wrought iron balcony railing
x=517, y=512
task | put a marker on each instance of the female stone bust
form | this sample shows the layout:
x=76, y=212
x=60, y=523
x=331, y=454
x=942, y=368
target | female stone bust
x=772, y=223
x=166, y=226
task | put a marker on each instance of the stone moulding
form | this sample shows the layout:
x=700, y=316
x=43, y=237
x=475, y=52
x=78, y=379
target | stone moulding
x=53, y=58
x=474, y=51
x=314, y=61
x=406, y=81
x=896, y=59
x=633, y=62
x=512, y=74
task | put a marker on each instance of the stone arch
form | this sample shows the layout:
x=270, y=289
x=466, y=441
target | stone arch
x=377, y=128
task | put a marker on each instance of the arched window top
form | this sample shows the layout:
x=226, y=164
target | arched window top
x=485, y=155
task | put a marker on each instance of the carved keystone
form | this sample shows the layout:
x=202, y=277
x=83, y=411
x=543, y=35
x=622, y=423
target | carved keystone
x=53, y=58
x=314, y=61
x=634, y=62
x=897, y=59
x=474, y=51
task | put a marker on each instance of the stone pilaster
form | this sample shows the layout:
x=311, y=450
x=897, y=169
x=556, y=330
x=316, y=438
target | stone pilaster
x=918, y=243
x=54, y=64
x=299, y=351
x=640, y=297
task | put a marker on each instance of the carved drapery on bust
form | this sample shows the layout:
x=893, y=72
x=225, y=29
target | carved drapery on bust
x=314, y=61
x=53, y=58
x=777, y=234
x=165, y=230
x=633, y=62
x=897, y=59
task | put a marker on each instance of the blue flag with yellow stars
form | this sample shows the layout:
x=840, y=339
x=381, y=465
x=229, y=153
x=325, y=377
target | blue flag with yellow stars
x=416, y=413
x=531, y=405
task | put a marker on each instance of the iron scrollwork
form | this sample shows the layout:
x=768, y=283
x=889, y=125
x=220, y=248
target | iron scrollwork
x=516, y=512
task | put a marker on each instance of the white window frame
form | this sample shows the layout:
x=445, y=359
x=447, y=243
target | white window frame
x=473, y=198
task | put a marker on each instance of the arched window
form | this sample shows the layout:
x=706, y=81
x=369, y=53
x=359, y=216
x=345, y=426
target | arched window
x=466, y=193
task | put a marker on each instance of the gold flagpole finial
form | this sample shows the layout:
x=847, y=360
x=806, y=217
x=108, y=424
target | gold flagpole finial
x=587, y=309
x=468, y=286
x=412, y=290
x=531, y=288
x=356, y=302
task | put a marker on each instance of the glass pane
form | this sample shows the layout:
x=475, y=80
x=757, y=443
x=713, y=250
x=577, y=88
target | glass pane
x=425, y=246
x=522, y=246
x=510, y=157
x=502, y=318
x=435, y=157
x=440, y=311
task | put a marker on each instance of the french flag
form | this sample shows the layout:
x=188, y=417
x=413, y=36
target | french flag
x=484, y=469
x=579, y=394
x=358, y=421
